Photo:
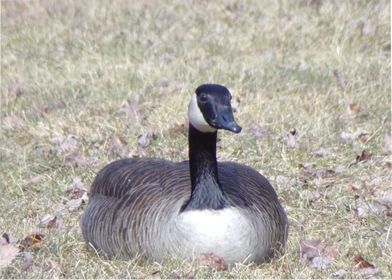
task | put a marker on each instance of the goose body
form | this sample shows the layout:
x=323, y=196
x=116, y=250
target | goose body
x=159, y=209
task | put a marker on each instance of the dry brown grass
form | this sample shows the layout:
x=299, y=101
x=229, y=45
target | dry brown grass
x=70, y=68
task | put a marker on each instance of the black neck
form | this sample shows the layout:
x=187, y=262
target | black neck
x=206, y=190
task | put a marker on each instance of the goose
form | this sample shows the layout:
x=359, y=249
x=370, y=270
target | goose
x=159, y=209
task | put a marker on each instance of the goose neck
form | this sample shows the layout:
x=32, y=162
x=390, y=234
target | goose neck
x=206, y=190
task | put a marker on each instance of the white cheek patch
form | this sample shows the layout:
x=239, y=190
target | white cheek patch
x=196, y=118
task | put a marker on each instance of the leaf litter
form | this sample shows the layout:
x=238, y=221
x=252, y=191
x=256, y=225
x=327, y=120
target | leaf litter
x=317, y=253
x=8, y=251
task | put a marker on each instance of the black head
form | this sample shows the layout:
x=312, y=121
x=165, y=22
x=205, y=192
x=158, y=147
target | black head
x=212, y=109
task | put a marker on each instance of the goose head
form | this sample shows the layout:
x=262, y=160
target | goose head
x=210, y=109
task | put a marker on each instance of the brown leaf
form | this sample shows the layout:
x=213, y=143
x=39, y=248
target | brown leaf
x=212, y=261
x=355, y=108
x=134, y=113
x=162, y=82
x=74, y=204
x=76, y=189
x=33, y=241
x=290, y=140
x=27, y=261
x=347, y=136
x=340, y=80
x=145, y=138
x=388, y=142
x=51, y=222
x=18, y=90
x=319, y=254
x=8, y=253
x=177, y=129
x=77, y=159
x=12, y=122
x=322, y=152
x=364, y=156
x=120, y=146
x=364, y=137
x=33, y=181
x=360, y=262
x=258, y=130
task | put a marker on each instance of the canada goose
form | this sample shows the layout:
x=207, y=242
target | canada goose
x=157, y=208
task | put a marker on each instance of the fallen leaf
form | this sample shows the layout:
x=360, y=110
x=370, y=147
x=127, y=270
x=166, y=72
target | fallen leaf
x=322, y=152
x=74, y=204
x=212, y=261
x=364, y=156
x=77, y=159
x=340, y=80
x=177, y=129
x=18, y=90
x=8, y=253
x=134, y=113
x=145, y=138
x=12, y=122
x=258, y=130
x=33, y=241
x=388, y=142
x=354, y=108
x=33, y=181
x=290, y=140
x=68, y=144
x=76, y=189
x=347, y=136
x=51, y=222
x=27, y=261
x=162, y=82
x=360, y=262
x=364, y=137
x=319, y=254
x=120, y=146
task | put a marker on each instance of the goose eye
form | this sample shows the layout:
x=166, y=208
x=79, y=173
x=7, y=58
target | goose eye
x=203, y=97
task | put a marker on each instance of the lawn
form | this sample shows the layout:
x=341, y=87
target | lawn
x=84, y=83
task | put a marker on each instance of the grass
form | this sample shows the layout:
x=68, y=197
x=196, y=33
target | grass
x=70, y=68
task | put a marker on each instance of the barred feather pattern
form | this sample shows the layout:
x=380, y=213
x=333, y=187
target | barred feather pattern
x=135, y=209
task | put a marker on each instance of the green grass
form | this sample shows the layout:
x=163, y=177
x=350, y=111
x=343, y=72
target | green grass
x=70, y=68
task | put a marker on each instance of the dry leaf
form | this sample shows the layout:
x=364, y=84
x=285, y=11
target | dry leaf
x=162, y=82
x=27, y=261
x=388, y=142
x=290, y=140
x=341, y=81
x=177, y=129
x=360, y=262
x=322, y=152
x=76, y=189
x=77, y=159
x=319, y=254
x=8, y=253
x=74, y=204
x=33, y=181
x=12, y=122
x=134, y=113
x=18, y=90
x=33, y=241
x=120, y=146
x=347, y=136
x=258, y=130
x=145, y=138
x=212, y=261
x=354, y=108
x=51, y=222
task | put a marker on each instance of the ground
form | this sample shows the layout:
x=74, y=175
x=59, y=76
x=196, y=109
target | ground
x=84, y=83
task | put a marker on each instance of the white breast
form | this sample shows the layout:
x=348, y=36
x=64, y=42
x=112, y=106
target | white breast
x=227, y=233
